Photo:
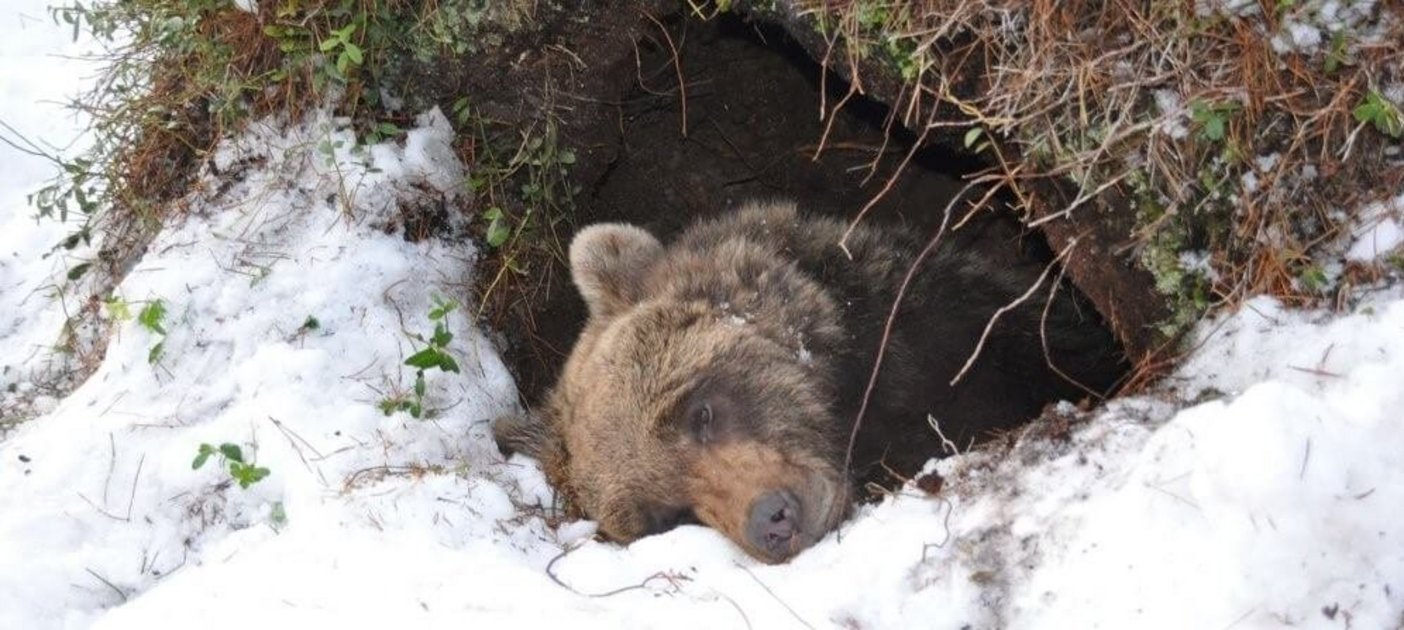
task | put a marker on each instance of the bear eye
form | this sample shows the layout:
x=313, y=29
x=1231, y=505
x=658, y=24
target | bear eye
x=701, y=421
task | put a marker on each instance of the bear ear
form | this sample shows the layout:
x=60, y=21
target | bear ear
x=608, y=262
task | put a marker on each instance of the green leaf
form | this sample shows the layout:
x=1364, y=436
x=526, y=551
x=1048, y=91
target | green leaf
x=202, y=456
x=497, y=231
x=311, y=323
x=447, y=364
x=254, y=475
x=152, y=315
x=353, y=52
x=442, y=337
x=973, y=135
x=231, y=452
x=1214, y=128
x=419, y=384
x=1381, y=113
x=328, y=44
x=424, y=359
x=78, y=270
x=118, y=309
x=154, y=355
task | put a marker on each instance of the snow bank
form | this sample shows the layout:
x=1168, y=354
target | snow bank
x=1270, y=503
x=110, y=504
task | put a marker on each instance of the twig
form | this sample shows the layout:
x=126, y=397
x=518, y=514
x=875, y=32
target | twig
x=118, y=591
x=829, y=126
x=774, y=596
x=1043, y=337
x=677, y=66
x=946, y=443
x=672, y=578
x=891, y=320
x=1315, y=371
x=843, y=242
x=744, y=618
x=945, y=524
x=131, y=500
x=989, y=326
x=290, y=435
x=111, y=464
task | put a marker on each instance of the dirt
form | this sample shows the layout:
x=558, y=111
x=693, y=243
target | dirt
x=750, y=130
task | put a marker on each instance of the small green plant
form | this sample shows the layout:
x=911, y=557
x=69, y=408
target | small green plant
x=1381, y=113
x=382, y=131
x=117, y=308
x=1338, y=54
x=278, y=515
x=1213, y=118
x=1396, y=260
x=348, y=53
x=152, y=318
x=1313, y=279
x=497, y=229
x=434, y=355
x=245, y=473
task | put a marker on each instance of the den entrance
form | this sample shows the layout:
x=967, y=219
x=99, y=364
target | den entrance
x=734, y=115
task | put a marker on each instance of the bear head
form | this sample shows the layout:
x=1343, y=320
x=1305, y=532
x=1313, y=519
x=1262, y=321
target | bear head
x=702, y=389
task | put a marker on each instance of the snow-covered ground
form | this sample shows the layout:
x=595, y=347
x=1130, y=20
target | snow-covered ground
x=38, y=70
x=1274, y=499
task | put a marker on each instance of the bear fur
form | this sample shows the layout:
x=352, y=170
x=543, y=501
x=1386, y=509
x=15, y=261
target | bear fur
x=718, y=377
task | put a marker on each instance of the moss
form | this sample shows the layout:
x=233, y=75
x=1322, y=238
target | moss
x=464, y=27
x=1186, y=290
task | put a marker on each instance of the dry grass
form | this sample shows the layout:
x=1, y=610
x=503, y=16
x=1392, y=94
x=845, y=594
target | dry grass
x=1068, y=93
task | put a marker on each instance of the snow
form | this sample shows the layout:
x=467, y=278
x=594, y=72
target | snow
x=1258, y=488
x=1379, y=231
x=1173, y=114
x=1308, y=26
x=40, y=69
x=1263, y=508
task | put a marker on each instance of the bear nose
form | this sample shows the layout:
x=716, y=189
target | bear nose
x=661, y=518
x=773, y=523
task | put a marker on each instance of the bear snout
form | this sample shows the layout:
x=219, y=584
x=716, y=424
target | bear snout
x=773, y=524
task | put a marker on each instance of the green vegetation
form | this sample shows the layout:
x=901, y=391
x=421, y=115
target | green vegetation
x=244, y=473
x=178, y=75
x=433, y=355
x=1384, y=115
x=1213, y=118
x=152, y=318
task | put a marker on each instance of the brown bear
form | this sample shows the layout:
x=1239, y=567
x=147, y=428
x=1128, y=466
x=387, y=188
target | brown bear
x=717, y=378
